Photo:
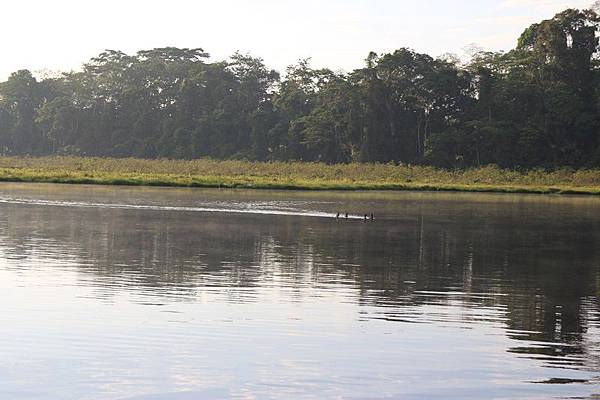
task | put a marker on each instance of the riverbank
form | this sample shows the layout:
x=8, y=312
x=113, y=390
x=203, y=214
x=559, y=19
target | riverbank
x=294, y=175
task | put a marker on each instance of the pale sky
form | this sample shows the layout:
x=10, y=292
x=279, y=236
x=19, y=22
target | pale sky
x=62, y=34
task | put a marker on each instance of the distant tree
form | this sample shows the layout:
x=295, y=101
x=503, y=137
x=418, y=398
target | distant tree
x=20, y=98
x=537, y=105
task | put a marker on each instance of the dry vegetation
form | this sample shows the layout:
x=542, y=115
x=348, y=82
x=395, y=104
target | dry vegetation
x=293, y=175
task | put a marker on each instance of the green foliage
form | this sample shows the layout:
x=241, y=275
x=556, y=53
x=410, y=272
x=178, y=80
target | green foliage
x=535, y=106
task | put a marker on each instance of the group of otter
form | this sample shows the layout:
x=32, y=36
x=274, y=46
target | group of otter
x=337, y=217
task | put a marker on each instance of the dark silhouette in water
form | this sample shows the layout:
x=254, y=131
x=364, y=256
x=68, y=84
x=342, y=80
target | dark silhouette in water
x=346, y=215
x=372, y=217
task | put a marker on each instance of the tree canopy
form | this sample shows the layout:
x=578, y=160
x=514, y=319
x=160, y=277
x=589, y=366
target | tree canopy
x=534, y=106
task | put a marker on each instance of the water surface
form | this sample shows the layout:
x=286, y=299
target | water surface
x=151, y=293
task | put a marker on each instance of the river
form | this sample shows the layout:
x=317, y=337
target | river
x=162, y=293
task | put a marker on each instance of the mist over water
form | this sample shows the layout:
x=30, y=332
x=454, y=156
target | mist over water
x=150, y=293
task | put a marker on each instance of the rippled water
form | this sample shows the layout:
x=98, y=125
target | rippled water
x=140, y=293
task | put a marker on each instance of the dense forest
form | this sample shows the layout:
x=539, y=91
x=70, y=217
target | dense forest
x=536, y=105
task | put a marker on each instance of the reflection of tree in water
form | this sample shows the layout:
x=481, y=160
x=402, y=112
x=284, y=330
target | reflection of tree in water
x=541, y=276
x=544, y=272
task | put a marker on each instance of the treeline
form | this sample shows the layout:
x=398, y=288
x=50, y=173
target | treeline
x=536, y=105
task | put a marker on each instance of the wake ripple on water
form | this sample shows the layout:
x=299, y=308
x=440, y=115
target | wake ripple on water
x=257, y=208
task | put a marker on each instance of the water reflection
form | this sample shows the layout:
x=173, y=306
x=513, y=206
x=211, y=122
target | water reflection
x=521, y=272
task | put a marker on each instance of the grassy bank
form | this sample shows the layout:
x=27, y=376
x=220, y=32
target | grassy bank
x=244, y=174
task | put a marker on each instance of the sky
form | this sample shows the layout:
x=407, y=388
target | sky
x=60, y=35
